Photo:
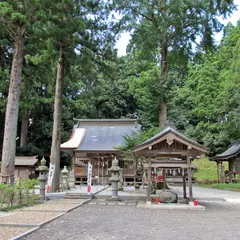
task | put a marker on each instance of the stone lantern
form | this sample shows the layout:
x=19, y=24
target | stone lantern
x=65, y=175
x=115, y=172
x=43, y=170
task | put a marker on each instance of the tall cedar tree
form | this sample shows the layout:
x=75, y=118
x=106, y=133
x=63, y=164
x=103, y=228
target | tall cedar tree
x=16, y=18
x=73, y=25
x=170, y=25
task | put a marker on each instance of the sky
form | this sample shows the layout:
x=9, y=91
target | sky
x=124, y=38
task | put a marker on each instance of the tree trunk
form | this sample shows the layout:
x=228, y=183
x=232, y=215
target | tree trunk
x=164, y=78
x=11, y=117
x=57, y=121
x=163, y=113
x=24, y=130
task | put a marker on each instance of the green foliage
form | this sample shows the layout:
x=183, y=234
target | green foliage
x=229, y=186
x=137, y=138
x=206, y=170
x=202, y=88
x=22, y=193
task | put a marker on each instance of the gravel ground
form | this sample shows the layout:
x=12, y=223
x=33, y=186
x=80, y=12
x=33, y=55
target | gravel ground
x=94, y=222
x=51, y=207
x=28, y=218
x=9, y=233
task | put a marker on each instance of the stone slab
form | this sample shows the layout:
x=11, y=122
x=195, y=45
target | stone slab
x=171, y=206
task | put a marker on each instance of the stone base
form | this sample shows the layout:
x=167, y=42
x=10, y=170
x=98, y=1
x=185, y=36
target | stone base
x=148, y=203
x=114, y=199
x=170, y=206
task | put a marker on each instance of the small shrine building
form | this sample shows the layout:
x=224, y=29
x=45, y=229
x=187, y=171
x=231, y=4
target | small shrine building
x=169, y=150
x=96, y=141
x=232, y=156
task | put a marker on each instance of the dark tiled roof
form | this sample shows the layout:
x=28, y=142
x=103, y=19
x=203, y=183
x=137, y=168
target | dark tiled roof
x=105, y=134
x=165, y=131
x=232, y=151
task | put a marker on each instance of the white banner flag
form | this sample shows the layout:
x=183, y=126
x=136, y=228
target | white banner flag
x=50, y=177
x=89, y=179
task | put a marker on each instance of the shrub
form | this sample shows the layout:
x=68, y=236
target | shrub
x=17, y=195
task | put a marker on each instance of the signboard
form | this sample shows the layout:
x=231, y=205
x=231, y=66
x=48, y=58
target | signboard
x=50, y=177
x=89, y=179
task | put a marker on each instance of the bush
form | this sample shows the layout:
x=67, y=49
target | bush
x=22, y=193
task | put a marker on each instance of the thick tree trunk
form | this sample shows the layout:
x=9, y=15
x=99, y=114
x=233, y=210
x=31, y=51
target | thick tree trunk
x=24, y=130
x=164, y=77
x=11, y=117
x=56, y=134
x=163, y=113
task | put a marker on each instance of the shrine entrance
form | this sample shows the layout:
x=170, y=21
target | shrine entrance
x=169, y=150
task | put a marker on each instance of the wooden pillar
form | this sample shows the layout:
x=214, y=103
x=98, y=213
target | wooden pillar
x=190, y=179
x=98, y=162
x=222, y=172
x=218, y=177
x=164, y=178
x=149, y=182
x=184, y=185
x=73, y=160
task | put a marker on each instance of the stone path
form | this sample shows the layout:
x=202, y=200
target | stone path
x=30, y=218
x=220, y=221
x=21, y=221
x=100, y=219
x=210, y=194
x=112, y=203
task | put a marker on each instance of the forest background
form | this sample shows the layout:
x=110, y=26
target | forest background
x=173, y=68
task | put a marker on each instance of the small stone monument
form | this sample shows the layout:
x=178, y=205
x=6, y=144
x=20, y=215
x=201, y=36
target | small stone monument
x=65, y=176
x=115, y=171
x=43, y=170
x=168, y=196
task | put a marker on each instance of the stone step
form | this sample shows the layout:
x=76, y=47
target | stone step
x=77, y=196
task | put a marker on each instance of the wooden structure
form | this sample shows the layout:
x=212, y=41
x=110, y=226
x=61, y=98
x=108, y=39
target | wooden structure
x=96, y=141
x=232, y=156
x=170, y=150
x=25, y=167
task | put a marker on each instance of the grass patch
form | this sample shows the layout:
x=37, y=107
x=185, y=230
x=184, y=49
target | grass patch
x=206, y=170
x=228, y=186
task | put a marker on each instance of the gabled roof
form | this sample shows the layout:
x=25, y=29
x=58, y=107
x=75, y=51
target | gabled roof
x=232, y=151
x=104, y=134
x=25, y=160
x=174, y=132
x=75, y=139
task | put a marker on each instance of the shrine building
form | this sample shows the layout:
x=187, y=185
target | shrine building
x=96, y=141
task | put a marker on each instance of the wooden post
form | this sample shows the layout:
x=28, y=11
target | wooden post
x=98, y=171
x=190, y=178
x=218, y=178
x=149, y=182
x=222, y=172
x=184, y=185
x=164, y=179
x=73, y=160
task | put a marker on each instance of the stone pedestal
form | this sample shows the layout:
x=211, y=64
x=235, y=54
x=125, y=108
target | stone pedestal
x=43, y=170
x=65, y=175
x=115, y=171
x=71, y=179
